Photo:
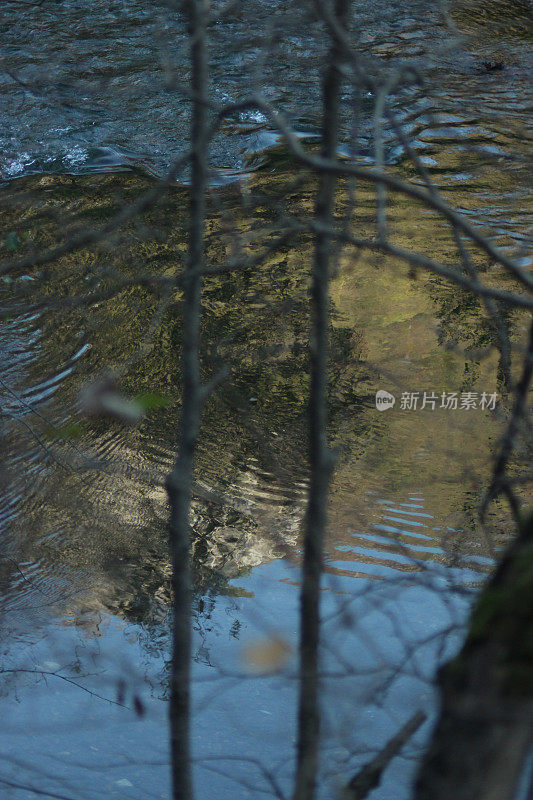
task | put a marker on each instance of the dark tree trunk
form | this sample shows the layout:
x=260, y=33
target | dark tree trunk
x=484, y=737
x=180, y=480
x=321, y=460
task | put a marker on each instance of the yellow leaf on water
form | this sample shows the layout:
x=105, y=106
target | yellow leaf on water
x=267, y=655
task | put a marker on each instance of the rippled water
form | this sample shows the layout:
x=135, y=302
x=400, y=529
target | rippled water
x=88, y=90
x=84, y=573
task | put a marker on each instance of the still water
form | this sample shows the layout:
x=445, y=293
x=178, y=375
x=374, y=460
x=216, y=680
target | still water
x=84, y=573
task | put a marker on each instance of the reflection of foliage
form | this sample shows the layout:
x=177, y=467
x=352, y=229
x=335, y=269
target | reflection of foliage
x=255, y=320
x=465, y=324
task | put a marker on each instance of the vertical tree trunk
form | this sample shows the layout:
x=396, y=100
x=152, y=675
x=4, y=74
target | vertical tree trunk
x=180, y=480
x=321, y=461
x=482, y=745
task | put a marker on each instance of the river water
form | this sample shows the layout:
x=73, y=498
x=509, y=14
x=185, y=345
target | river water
x=91, y=112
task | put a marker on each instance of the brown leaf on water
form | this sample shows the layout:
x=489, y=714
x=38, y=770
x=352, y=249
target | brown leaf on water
x=267, y=655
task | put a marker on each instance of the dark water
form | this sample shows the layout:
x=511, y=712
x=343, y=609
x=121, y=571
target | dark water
x=97, y=88
x=84, y=575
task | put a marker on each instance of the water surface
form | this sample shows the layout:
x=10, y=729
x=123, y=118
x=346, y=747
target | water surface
x=84, y=574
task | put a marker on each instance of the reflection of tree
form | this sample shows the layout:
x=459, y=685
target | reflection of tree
x=464, y=324
x=254, y=320
x=154, y=629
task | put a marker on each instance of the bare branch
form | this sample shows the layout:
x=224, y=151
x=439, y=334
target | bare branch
x=370, y=775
